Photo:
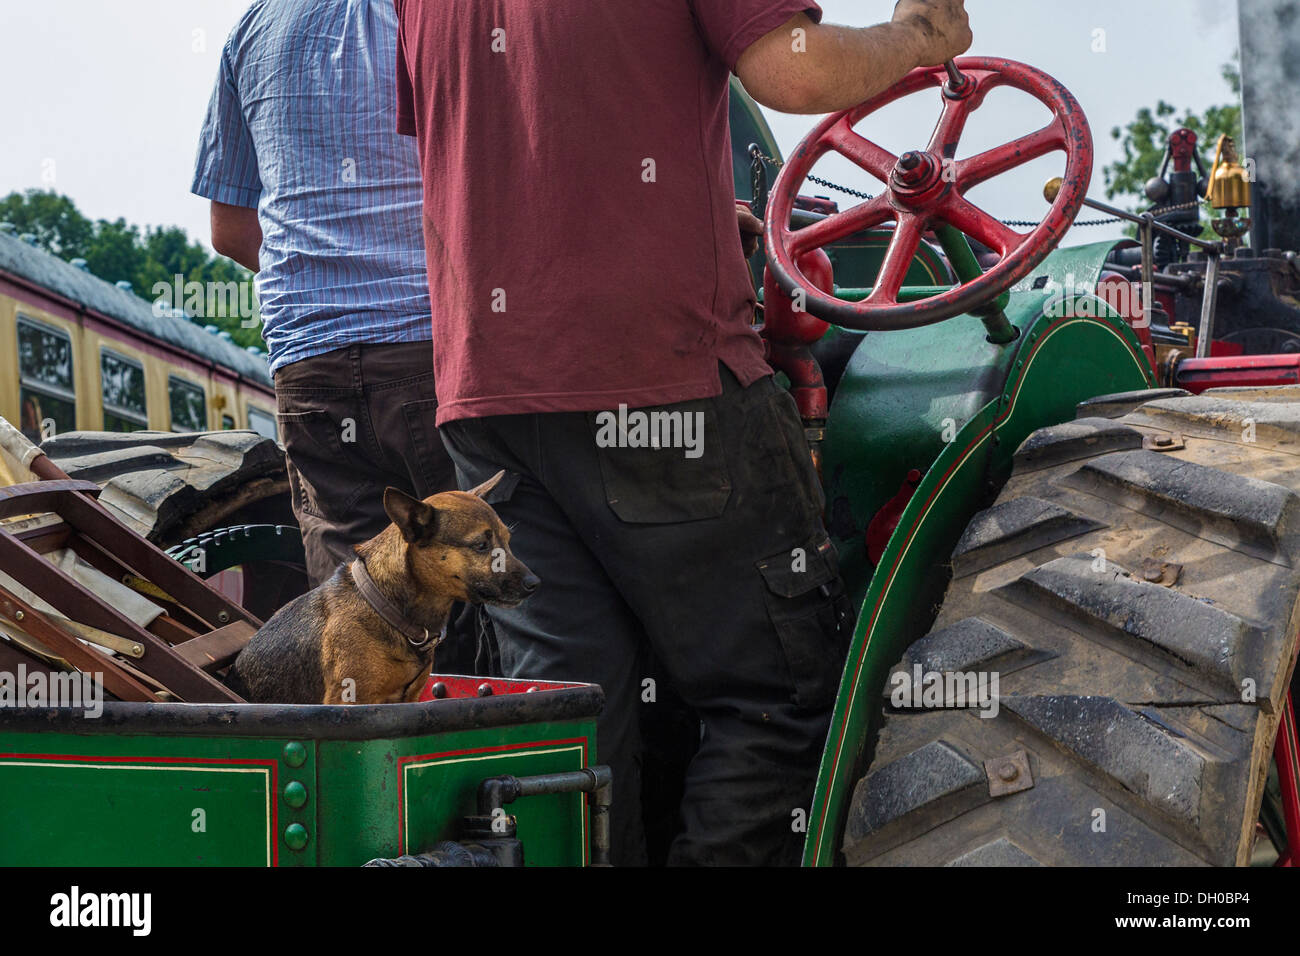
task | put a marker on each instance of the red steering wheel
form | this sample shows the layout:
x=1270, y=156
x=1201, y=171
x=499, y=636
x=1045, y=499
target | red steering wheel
x=925, y=190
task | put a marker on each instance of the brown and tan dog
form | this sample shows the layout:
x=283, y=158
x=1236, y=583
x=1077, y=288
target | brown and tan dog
x=367, y=635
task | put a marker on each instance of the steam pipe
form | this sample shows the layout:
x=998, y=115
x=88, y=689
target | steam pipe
x=496, y=793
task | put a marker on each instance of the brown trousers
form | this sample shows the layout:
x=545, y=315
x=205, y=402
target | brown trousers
x=353, y=422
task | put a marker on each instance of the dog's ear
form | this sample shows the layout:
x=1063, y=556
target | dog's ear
x=482, y=490
x=416, y=520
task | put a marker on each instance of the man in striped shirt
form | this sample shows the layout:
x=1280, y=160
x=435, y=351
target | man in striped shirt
x=313, y=189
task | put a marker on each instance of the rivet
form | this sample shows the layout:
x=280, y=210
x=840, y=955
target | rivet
x=295, y=794
x=439, y=690
x=485, y=689
x=223, y=617
x=295, y=754
x=295, y=836
x=1008, y=771
x=19, y=615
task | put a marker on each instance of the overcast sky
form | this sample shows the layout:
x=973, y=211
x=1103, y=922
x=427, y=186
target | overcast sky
x=104, y=98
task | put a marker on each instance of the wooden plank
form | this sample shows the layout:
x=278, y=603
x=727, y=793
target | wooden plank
x=71, y=599
x=218, y=648
x=36, y=497
x=46, y=539
x=12, y=655
x=86, y=659
x=171, y=630
x=189, y=590
x=94, y=555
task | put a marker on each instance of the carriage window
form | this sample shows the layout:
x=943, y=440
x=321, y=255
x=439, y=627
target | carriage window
x=123, y=384
x=262, y=422
x=188, y=404
x=227, y=423
x=46, y=393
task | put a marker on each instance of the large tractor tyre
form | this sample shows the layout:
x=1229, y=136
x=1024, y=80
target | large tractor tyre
x=1134, y=588
x=172, y=487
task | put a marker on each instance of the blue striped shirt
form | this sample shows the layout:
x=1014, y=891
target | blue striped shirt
x=302, y=126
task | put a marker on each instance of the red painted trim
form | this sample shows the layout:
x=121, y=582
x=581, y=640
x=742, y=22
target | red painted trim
x=939, y=486
x=1287, y=754
x=502, y=748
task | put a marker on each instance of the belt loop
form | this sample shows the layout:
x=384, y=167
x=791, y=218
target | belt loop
x=358, y=377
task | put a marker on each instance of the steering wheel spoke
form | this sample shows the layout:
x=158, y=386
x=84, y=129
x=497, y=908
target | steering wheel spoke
x=952, y=123
x=841, y=225
x=961, y=213
x=1001, y=159
x=855, y=147
x=898, y=259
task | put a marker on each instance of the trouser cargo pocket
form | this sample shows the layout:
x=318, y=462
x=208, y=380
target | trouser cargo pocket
x=808, y=608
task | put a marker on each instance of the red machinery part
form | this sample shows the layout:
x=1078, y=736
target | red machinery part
x=782, y=322
x=791, y=331
x=1182, y=147
x=883, y=525
x=1238, y=371
x=1125, y=297
x=927, y=188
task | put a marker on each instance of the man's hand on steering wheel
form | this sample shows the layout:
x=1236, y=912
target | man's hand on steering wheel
x=941, y=27
x=751, y=229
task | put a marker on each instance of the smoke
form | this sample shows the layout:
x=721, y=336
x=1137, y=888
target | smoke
x=1270, y=68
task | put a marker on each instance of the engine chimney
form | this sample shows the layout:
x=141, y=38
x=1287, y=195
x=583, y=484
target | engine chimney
x=1270, y=76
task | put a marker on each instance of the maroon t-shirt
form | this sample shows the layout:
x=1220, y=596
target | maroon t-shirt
x=580, y=224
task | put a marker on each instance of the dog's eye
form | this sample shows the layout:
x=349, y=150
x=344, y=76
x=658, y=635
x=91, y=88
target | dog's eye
x=483, y=546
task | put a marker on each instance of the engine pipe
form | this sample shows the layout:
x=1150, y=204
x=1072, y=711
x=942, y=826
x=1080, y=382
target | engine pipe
x=496, y=793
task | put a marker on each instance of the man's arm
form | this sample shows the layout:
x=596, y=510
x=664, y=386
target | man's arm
x=237, y=234
x=834, y=68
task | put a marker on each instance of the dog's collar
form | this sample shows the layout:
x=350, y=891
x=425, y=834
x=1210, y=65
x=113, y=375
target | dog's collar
x=415, y=635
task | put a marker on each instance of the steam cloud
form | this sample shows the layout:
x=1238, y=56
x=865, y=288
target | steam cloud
x=1270, y=67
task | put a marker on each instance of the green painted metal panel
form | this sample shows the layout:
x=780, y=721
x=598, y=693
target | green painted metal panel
x=121, y=800
x=748, y=125
x=388, y=798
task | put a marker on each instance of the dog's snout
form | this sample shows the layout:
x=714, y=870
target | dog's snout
x=531, y=582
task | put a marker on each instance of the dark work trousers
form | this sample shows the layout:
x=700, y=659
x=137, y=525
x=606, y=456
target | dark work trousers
x=717, y=564
x=354, y=422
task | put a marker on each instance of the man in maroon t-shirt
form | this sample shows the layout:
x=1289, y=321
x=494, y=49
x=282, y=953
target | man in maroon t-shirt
x=590, y=292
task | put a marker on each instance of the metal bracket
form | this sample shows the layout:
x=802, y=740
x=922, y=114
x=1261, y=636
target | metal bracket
x=1009, y=774
x=1163, y=573
x=1168, y=441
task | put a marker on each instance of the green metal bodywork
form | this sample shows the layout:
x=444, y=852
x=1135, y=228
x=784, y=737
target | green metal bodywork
x=944, y=401
x=127, y=794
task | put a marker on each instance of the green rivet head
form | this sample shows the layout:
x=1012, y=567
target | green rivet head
x=295, y=836
x=295, y=794
x=295, y=754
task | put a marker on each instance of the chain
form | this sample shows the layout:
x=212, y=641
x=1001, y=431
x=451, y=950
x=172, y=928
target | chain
x=819, y=181
x=1014, y=223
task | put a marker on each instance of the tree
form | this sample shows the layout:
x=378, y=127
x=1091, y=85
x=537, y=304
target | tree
x=56, y=222
x=1145, y=138
x=119, y=250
